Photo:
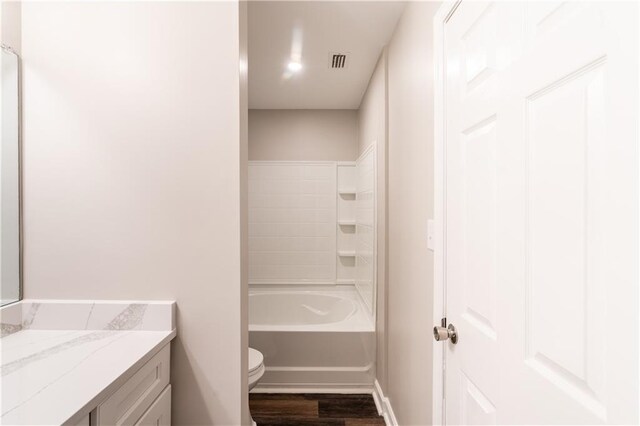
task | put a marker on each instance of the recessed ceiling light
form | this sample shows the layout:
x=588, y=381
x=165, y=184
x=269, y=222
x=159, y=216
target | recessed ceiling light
x=294, y=66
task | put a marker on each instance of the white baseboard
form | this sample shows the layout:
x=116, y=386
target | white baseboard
x=334, y=379
x=312, y=388
x=383, y=405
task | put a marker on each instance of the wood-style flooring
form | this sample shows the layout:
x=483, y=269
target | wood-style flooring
x=314, y=410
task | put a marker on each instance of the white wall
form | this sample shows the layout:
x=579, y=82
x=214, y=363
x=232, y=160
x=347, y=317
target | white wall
x=372, y=114
x=304, y=135
x=372, y=124
x=410, y=279
x=134, y=176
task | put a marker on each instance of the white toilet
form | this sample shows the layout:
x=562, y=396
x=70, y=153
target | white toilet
x=256, y=369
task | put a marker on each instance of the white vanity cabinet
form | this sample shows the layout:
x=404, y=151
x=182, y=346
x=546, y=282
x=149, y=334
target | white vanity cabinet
x=143, y=399
x=89, y=363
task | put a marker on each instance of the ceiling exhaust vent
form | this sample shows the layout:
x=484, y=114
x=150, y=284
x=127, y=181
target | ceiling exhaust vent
x=337, y=60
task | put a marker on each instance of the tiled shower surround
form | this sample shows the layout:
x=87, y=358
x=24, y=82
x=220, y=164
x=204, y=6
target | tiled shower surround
x=312, y=222
x=292, y=216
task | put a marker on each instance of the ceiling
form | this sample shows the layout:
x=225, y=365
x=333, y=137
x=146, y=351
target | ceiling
x=308, y=31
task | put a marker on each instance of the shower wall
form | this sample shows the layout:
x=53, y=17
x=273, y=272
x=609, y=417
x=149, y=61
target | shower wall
x=365, y=228
x=292, y=222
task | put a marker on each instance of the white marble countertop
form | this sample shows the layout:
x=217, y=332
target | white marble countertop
x=57, y=376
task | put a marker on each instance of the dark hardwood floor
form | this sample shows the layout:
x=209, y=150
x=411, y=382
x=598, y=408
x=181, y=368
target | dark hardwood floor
x=313, y=410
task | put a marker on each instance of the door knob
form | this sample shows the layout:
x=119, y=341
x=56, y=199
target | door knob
x=442, y=333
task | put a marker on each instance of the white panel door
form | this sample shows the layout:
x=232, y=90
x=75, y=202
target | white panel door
x=541, y=201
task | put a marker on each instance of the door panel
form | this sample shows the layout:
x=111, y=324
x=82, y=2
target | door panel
x=541, y=212
x=476, y=408
x=562, y=278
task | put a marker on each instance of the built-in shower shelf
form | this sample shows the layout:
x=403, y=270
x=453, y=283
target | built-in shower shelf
x=347, y=222
x=346, y=187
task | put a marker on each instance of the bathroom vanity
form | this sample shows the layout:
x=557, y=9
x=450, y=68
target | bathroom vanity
x=86, y=363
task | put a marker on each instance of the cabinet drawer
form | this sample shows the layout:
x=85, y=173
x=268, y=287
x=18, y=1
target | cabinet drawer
x=130, y=402
x=159, y=414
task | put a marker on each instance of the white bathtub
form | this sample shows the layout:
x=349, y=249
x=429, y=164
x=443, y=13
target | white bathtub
x=313, y=341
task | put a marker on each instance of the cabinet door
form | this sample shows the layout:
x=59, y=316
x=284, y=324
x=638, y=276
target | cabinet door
x=159, y=414
x=85, y=421
x=133, y=398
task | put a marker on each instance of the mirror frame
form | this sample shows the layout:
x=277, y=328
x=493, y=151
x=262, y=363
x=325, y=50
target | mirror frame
x=12, y=51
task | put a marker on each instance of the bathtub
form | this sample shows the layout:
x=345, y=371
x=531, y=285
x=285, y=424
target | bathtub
x=312, y=340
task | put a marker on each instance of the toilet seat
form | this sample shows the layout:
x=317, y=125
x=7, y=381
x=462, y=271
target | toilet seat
x=256, y=367
x=255, y=360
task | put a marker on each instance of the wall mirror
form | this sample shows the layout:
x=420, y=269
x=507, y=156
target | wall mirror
x=10, y=240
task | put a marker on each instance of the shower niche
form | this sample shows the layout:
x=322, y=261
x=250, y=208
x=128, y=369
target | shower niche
x=346, y=223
